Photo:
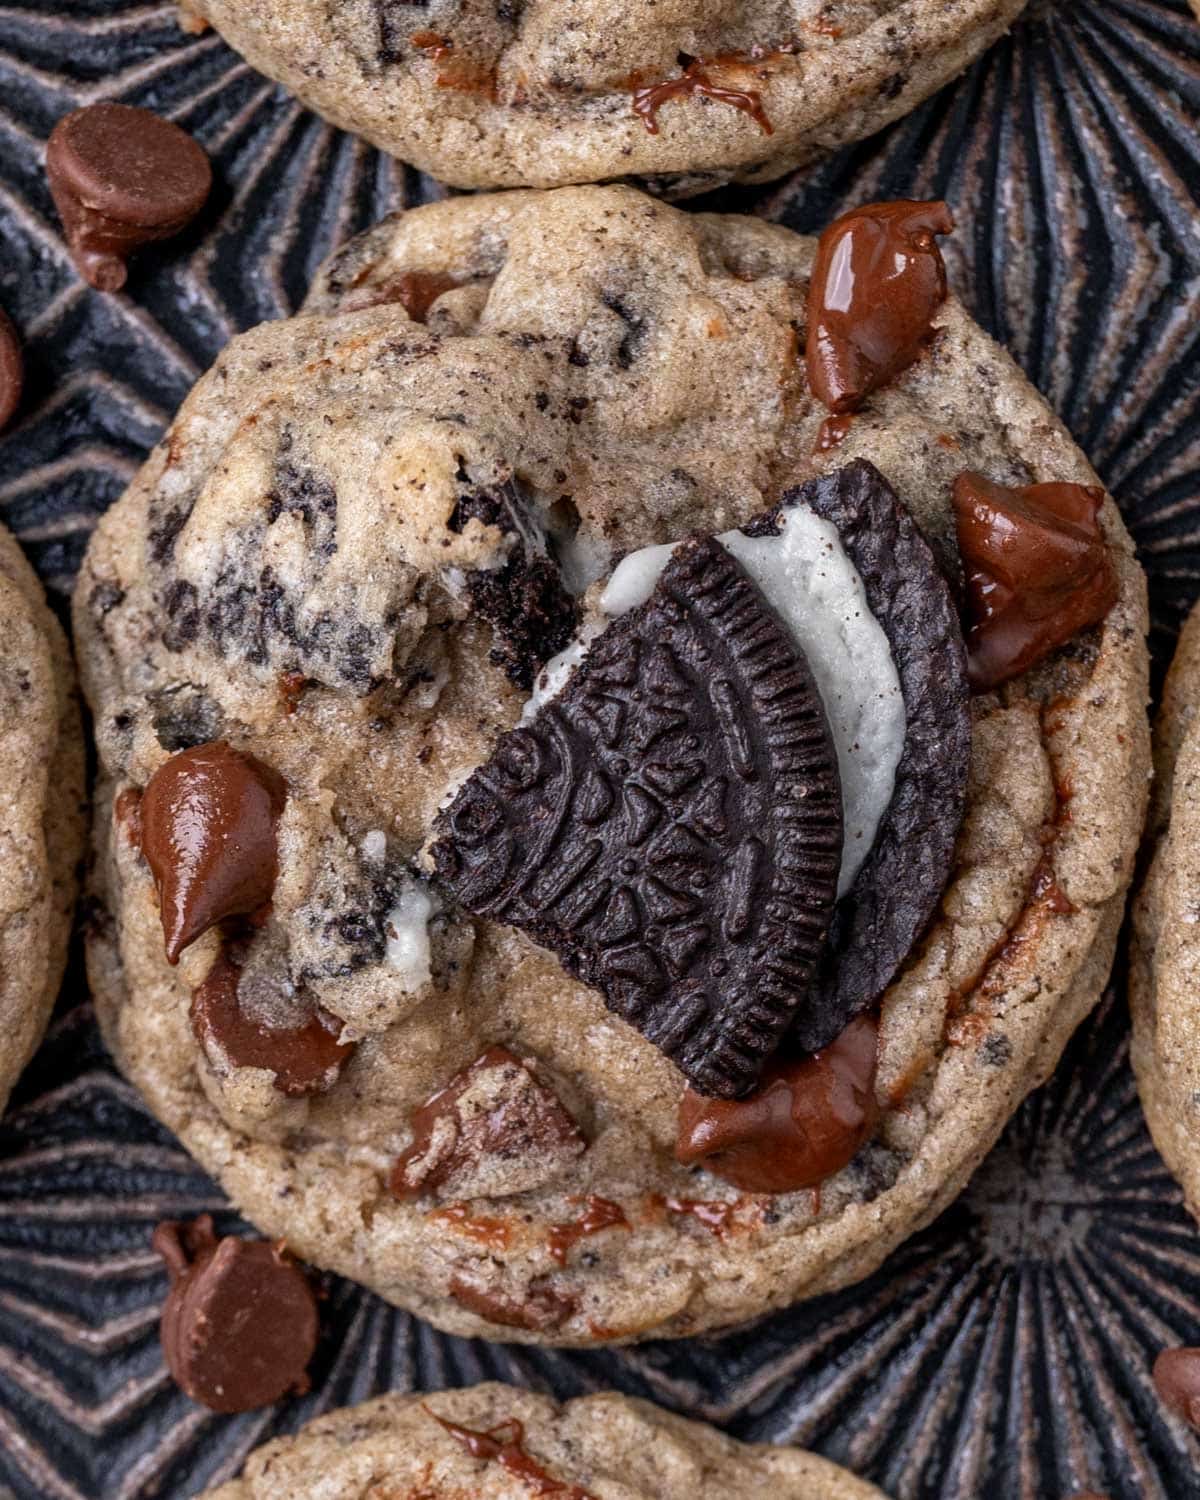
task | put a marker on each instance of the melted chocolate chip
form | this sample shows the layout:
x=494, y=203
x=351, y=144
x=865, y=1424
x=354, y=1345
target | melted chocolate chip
x=897, y=890
x=670, y=825
x=1038, y=571
x=877, y=281
x=494, y=1129
x=416, y=292
x=12, y=370
x=543, y=1309
x=239, y=1325
x=505, y=1445
x=1177, y=1381
x=208, y=833
x=305, y=1058
x=697, y=80
x=122, y=177
x=806, y=1121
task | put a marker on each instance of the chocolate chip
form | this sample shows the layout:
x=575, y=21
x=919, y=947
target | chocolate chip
x=12, y=370
x=530, y=612
x=208, y=834
x=305, y=1056
x=1177, y=1381
x=877, y=280
x=900, y=883
x=494, y=1129
x=805, y=1122
x=240, y=1321
x=543, y=1309
x=670, y=825
x=1038, y=571
x=122, y=177
x=416, y=291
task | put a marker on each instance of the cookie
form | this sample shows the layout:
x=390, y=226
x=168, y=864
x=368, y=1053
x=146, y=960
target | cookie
x=476, y=1117
x=683, y=97
x=1165, y=956
x=42, y=773
x=493, y=1442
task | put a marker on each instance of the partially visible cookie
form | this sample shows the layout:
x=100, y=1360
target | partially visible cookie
x=41, y=809
x=492, y=1442
x=1165, y=963
x=683, y=96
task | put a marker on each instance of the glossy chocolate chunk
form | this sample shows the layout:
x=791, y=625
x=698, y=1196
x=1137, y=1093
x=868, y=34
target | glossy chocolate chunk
x=670, y=825
x=416, y=292
x=1038, y=571
x=806, y=1120
x=305, y=1057
x=505, y=1446
x=209, y=817
x=544, y=1307
x=12, y=370
x=1177, y=1381
x=532, y=617
x=122, y=177
x=494, y=1129
x=877, y=281
x=896, y=892
x=239, y=1325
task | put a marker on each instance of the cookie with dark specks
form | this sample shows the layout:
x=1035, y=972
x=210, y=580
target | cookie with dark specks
x=290, y=574
x=546, y=93
x=43, y=798
x=494, y=1442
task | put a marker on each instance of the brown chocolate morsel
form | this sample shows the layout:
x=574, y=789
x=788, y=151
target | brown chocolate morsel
x=12, y=369
x=543, y=1309
x=305, y=1059
x=1177, y=1381
x=877, y=281
x=240, y=1324
x=807, y=1120
x=122, y=177
x=416, y=291
x=208, y=833
x=1038, y=571
x=505, y=1445
x=494, y=1129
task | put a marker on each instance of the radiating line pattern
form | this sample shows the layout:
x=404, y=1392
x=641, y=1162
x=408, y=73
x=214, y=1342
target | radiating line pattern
x=1004, y=1351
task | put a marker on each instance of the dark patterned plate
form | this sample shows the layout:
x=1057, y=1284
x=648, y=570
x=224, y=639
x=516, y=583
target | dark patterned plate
x=1003, y=1353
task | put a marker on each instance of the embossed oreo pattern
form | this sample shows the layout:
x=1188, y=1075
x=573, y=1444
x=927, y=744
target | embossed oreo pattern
x=671, y=824
x=1007, y=1349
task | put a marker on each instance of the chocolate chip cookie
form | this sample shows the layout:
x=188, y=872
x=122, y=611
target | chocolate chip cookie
x=492, y=1442
x=622, y=742
x=42, y=773
x=545, y=93
x=1165, y=953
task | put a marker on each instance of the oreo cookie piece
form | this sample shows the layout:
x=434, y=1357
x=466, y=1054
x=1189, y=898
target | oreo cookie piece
x=523, y=600
x=670, y=825
x=897, y=890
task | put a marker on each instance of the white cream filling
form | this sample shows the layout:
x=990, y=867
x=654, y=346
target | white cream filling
x=814, y=588
x=406, y=929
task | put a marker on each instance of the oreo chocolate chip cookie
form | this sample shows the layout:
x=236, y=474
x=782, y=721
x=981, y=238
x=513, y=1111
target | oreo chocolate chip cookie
x=552, y=92
x=495, y=1441
x=480, y=1091
x=44, y=809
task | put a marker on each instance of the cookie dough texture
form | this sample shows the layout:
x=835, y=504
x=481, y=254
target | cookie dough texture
x=1165, y=958
x=634, y=370
x=612, y=1447
x=41, y=809
x=540, y=93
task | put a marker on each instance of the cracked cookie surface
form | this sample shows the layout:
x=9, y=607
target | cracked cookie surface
x=577, y=353
x=42, y=791
x=545, y=93
x=601, y=1447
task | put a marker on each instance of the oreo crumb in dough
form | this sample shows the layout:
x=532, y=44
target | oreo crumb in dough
x=670, y=825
